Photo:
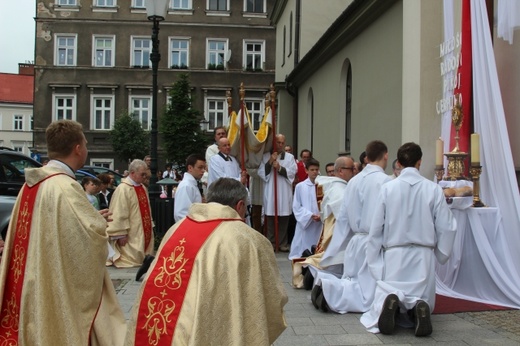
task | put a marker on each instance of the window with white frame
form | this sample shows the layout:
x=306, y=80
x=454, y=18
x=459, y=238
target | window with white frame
x=140, y=108
x=141, y=48
x=216, y=58
x=103, y=51
x=18, y=148
x=102, y=112
x=180, y=4
x=254, y=107
x=65, y=50
x=216, y=113
x=254, y=55
x=66, y=2
x=138, y=3
x=17, y=122
x=255, y=6
x=218, y=5
x=179, y=52
x=105, y=3
x=32, y=122
x=64, y=107
x=105, y=163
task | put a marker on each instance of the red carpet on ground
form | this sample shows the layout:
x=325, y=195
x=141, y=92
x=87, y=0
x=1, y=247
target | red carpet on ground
x=448, y=305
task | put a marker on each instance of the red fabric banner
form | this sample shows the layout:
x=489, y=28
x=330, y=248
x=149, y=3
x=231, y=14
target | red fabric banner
x=146, y=218
x=463, y=91
x=165, y=287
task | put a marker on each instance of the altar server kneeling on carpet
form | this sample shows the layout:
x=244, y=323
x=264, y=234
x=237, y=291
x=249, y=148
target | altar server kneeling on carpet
x=214, y=281
x=412, y=226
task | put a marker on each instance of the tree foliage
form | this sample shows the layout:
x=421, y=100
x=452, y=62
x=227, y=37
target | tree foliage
x=128, y=138
x=180, y=125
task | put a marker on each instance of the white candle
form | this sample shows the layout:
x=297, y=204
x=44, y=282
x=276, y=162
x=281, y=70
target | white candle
x=439, y=148
x=475, y=148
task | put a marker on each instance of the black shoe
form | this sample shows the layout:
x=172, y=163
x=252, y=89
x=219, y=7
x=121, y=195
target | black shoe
x=306, y=253
x=308, y=280
x=423, y=323
x=316, y=292
x=322, y=303
x=148, y=259
x=386, y=322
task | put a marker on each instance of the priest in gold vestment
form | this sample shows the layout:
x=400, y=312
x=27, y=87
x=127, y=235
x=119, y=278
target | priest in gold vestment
x=214, y=281
x=334, y=192
x=54, y=286
x=131, y=234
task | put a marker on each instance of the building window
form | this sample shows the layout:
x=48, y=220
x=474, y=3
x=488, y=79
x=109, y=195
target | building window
x=141, y=48
x=64, y=107
x=138, y=4
x=103, y=51
x=32, y=122
x=283, y=44
x=255, y=6
x=180, y=5
x=179, y=53
x=102, y=112
x=18, y=148
x=105, y=3
x=253, y=55
x=290, y=34
x=218, y=5
x=105, y=163
x=140, y=110
x=65, y=50
x=216, y=54
x=255, y=113
x=66, y=2
x=216, y=113
x=348, y=108
x=18, y=122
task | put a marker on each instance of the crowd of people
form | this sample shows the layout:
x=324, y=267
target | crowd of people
x=349, y=233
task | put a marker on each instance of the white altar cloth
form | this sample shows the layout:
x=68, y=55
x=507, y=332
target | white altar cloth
x=480, y=267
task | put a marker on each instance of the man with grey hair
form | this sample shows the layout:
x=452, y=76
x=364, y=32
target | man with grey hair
x=215, y=250
x=131, y=232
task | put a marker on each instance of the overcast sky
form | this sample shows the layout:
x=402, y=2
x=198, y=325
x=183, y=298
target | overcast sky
x=16, y=33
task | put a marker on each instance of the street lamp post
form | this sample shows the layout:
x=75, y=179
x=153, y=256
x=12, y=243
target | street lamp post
x=156, y=11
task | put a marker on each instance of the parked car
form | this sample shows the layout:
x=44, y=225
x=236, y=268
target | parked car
x=6, y=207
x=12, y=172
x=95, y=170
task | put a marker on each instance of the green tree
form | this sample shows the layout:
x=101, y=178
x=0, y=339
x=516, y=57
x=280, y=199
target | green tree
x=128, y=138
x=180, y=125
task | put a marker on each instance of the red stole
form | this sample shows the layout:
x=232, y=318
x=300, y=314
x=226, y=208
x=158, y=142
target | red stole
x=11, y=301
x=165, y=287
x=146, y=218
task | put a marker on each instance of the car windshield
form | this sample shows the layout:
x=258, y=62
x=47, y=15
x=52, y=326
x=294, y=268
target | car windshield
x=14, y=167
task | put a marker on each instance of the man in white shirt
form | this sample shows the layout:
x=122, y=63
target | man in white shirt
x=220, y=132
x=223, y=165
x=188, y=192
x=285, y=166
x=411, y=227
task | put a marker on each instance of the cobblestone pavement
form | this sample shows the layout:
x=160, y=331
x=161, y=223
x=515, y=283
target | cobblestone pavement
x=310, y=327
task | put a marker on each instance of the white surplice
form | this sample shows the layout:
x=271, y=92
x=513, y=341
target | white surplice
x=412, y=225
x=354, y=291
x=186, y=194
x=307, y=231
x=220, y=168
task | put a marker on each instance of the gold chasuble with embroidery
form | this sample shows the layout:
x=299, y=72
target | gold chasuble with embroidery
x=214, y=281
x=54, y=287
x=132, y=217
